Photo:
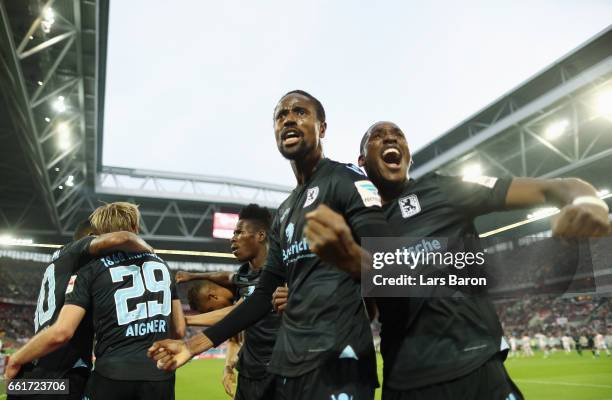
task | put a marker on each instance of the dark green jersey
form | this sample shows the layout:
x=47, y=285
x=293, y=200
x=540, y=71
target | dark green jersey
x=430, y=340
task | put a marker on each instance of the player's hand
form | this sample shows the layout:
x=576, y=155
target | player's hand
x=581, y=221
x=11, y=371
x=279, y=299
x=329, y=237
x=170, y=354
x=182, y=276
x=229, y=380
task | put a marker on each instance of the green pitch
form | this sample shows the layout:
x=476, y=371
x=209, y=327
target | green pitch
x=558, y=377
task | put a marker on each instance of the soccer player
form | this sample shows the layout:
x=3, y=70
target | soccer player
x=542, y=343
x=443, y=347
x=566, y=341
x=249, y=244
x=133, y=302
x=72, y=358
x=324, y=347
x=526, y=345
x=513, y=346
x=600, y=344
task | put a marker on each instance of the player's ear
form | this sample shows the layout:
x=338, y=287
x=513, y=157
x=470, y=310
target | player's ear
x=261, y=236
x=322, y=129
x=361, y=160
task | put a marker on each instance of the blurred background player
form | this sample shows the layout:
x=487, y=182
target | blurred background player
x=513, y=345
x=566, y=342
x=72, y=359
x=600, y=344
x=526, y=345
x=542, y=343
x=133, y=303
x=249, y=244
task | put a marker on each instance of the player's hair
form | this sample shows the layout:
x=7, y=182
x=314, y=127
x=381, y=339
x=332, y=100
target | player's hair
x=84, y=228
x=364, y=141
x=257, y=215
x=193, y=294
x=113, y=217
x=318, y=106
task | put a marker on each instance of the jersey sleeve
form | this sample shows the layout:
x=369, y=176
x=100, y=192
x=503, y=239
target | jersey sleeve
x=78, y=293
x=475, y=196
x=80, y=249
x=357, y=199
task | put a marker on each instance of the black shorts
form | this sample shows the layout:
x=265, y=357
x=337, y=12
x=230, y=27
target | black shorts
x=254, y=389
x=341, y=379
x=488, y=382
x=102, y=388
x=77, y=379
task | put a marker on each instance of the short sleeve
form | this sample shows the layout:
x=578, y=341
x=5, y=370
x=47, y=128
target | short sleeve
x=357, y=199
x=80, y=249
x=475, y=195
x=78, y=291
x=274, y=263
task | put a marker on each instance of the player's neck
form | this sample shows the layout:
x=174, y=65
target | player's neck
x=389, y=191
x=258, y=261
x=304, y=168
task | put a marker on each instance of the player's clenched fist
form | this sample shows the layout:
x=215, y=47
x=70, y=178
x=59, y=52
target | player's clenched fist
x=330, y=238
x=581, y=221
x=172, y=354
x=279, y=299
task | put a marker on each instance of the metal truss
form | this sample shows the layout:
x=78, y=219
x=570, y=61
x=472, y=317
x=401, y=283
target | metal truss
x=514, y=142
x=45, y=67
x=209, y=189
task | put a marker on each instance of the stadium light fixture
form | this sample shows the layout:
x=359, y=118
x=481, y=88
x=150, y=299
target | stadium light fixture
x=603, y=104
x=47, y=119
x=472, y=171
x=63, y=138
x=60, y=187
x=556, y=129
x=56, y=169
x=70, y=181
x=60, y=104
x=9, y=240
x=39, y=83
x=48, y=19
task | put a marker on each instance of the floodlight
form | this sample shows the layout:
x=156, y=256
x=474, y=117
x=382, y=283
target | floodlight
x=472, y=171
x=556, y=129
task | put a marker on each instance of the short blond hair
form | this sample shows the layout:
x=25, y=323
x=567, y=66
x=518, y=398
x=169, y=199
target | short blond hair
x=114, y=217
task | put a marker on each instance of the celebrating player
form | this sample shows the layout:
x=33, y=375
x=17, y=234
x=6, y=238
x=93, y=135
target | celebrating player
x=443, y=347
x=249, y=245
x=133, y=303
x=71, y=357
x=324, y=346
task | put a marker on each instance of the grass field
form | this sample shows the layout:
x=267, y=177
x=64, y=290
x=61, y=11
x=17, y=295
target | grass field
x=559, y=377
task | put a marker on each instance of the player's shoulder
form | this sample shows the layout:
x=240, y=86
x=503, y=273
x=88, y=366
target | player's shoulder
x=72, y=248
x=350, y=171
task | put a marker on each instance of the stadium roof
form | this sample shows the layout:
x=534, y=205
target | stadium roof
x=556, y=124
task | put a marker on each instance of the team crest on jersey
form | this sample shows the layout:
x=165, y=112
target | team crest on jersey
x=71, y=283
x=311, y=196
x=409, y=205
x=369, y=193
x=355, y=168
x=284, y=214
x=289, y=232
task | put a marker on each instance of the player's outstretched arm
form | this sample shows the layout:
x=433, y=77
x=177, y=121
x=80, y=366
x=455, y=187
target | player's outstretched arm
x=231, y=357
x=212, y=317
x=172, y=354
x=178, y=320
x=582, y=214
x=330, y=238
x=118, y=241
x=48, y=340
x=220, y=278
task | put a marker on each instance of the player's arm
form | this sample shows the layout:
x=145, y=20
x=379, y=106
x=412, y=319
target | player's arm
x=220, y=278
x=212, y=317
x=118, y=241
x=48, y=340
x=178, y=320
x=231, y=358
x=172, y=354
x=582, y=214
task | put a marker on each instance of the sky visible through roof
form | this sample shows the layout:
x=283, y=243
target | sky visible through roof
x=191, y=85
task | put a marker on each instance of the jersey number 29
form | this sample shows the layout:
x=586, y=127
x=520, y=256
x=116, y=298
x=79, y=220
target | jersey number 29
x=146, y=309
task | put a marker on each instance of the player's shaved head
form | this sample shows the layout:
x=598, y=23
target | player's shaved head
x=206, y=296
